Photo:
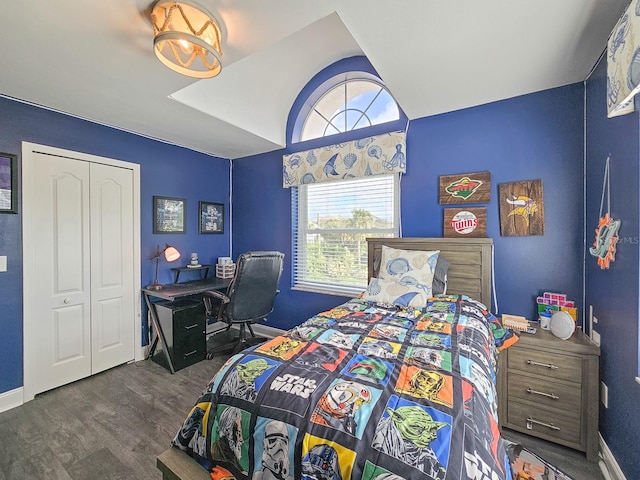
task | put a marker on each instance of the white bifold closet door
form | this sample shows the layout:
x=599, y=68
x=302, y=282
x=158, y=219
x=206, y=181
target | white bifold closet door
x=83, y=252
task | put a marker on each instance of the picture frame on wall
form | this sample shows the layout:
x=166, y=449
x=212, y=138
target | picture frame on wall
x=465, y=188
x=465, y=222
x=8, y=183
x=169, y=215
x=211, y=217
x=521, y=208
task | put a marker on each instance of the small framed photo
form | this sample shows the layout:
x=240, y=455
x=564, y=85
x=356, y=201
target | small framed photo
x=169, y=215
x=8, y=183
x=211, y=217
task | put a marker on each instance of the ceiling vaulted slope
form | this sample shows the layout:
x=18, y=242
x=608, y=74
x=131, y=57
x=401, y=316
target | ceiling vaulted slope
x=94, y=60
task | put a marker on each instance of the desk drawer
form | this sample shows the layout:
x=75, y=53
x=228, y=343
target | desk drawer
x=189, y=356
x=189, y=336
x=544, y=423
x=548, y=364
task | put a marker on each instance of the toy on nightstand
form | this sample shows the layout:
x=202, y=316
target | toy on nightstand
x=550, y=303
x=545, y=318
x=518, y=323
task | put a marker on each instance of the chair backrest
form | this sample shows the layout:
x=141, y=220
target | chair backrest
x=255, y=284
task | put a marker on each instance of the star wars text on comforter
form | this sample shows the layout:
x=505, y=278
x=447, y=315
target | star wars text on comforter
x=361, y=391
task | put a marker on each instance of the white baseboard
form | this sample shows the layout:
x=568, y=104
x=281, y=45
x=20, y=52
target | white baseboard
x=11, y=399
x=608, y=464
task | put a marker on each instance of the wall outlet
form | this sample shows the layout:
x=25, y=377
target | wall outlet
x=3, y=263
x=595, y=319
x=604, y=394
x=595, y=336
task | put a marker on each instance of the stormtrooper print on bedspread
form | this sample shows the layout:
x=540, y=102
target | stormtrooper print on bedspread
x=361, y=391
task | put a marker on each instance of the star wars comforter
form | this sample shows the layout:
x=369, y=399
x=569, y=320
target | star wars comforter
x=361, y=391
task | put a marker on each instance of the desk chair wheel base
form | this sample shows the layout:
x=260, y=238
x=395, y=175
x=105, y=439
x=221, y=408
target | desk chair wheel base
x=231, y=346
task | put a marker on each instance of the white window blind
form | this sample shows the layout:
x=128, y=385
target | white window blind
x=331, y=222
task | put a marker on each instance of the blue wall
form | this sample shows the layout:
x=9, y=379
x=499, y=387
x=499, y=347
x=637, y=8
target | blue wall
x=164, y=170
x=536, y=136
x=614, y=292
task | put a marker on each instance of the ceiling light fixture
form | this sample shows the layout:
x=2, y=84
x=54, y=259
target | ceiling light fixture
x=186, y=38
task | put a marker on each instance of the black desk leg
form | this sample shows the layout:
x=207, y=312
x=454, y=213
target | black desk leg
x=159, y=333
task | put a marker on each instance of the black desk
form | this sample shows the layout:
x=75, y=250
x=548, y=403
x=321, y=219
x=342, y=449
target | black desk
x=172, y=292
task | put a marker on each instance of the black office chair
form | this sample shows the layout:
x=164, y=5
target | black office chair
x=249, y=299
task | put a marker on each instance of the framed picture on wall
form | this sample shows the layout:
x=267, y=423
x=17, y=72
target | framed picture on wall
x=8, y=183
x=211, y=217
x=169, y=215
x=521, y=208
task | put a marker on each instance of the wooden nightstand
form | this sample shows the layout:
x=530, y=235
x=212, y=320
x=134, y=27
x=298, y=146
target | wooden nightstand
x=549, y=388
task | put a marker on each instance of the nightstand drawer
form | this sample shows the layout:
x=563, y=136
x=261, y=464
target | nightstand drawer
x=547, y=364
x=541, y=422
x=546, y=393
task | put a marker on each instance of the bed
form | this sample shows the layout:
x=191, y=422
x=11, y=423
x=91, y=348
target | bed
x=370, y=389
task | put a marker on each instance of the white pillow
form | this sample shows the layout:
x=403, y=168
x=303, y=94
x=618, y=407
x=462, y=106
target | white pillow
x=413, y=268
x=391, y=292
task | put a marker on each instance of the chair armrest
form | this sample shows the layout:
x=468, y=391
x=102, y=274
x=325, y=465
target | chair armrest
x=215, y=304
x=217, y=295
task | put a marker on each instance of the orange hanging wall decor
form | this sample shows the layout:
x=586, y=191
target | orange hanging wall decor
x=604, y=247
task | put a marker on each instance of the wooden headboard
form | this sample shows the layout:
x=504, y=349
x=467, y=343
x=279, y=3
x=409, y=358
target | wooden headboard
x=470, y=258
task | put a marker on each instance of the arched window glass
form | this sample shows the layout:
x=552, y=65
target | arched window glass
x=349, y=105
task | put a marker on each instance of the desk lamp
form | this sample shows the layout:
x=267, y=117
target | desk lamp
x=170, y=254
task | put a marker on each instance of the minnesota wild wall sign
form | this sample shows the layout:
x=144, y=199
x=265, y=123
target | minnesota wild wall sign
x=465, y=188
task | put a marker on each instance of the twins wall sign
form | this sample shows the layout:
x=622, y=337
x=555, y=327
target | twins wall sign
x=465, y=222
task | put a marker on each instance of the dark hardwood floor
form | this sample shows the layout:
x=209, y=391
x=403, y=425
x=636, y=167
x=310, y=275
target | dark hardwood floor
x=114, y=424
x=109, y=426
x=571, y=462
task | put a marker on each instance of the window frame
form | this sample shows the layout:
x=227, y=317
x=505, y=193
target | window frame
x=323, y=88
x=326, y=90
x=299, y=202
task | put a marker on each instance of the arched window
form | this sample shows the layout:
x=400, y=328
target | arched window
x=351, y=104
x=331, y=221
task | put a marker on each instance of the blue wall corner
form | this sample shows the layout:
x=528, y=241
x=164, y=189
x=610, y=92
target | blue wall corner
x=614, y=292
x=164, y=170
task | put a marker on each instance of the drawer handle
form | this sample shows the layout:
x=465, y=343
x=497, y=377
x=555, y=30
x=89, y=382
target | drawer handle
x=191, y=326
x=550, y=395
x=548, y=365
x=190, y=353
x=531, y=421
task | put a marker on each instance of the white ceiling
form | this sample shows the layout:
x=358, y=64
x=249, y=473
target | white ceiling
x=94, y=60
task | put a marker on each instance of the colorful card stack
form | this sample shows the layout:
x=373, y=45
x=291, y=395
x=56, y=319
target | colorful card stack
x=555, y=302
